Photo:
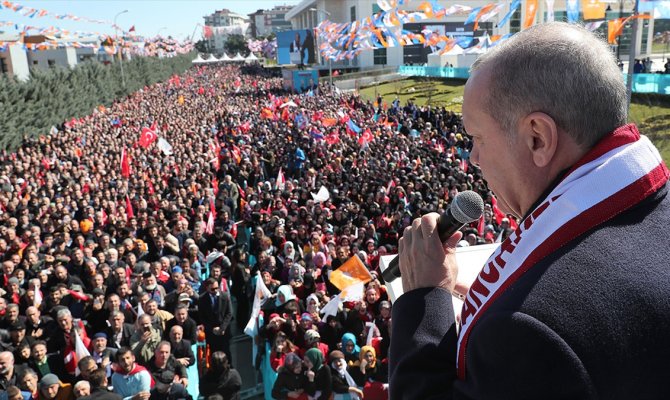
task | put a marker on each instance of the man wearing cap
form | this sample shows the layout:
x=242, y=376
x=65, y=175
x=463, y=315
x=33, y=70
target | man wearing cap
x=101, y=353
x=51, y=388
x=99, y=383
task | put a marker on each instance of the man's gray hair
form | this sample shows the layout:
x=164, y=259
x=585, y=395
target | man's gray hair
x=559, y=69
x=63, y=312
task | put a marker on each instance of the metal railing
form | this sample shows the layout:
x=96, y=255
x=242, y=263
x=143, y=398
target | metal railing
x=642, y=83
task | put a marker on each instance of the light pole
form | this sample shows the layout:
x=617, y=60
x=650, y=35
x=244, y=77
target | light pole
x=116, y=27
x=330, y=60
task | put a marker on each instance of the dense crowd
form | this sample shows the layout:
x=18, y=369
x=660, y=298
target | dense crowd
x=135, y=251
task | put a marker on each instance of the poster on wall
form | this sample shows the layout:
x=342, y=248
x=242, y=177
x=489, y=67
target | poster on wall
x=296, y=47
x=305, y=80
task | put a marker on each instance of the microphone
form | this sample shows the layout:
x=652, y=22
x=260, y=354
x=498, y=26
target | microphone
x=466, y=207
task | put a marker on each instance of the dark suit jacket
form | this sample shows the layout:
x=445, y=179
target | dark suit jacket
x=589, y=321
x=183, y=350
x=127, y=332
x=215, y=315
x=190, y=329
x=101, y=394
x=56, y=366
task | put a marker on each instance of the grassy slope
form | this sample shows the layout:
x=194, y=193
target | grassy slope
x=650, y=113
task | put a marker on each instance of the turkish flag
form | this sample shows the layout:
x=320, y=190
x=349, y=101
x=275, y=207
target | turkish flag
x=148, y=136
x=125, y=164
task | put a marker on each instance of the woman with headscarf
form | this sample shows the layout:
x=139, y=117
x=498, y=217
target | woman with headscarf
x=370, y=374
x=319, y=382
x=291, y=382
x=350, y=348
x=342, y=382
x=221, y=379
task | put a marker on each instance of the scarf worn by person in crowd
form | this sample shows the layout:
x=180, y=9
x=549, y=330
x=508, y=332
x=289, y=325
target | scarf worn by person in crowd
x=618, y=173
x=136, y=370
x=342, y=371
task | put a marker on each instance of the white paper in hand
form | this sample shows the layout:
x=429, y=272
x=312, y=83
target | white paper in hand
x=470, y=261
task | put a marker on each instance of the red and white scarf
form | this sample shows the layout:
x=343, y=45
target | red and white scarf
x=619, y=172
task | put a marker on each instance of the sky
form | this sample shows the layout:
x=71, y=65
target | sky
x=150, y=17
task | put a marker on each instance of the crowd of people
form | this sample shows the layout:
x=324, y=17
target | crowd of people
x=131, y=251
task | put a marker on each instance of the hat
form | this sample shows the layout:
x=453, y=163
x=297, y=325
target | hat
x=336, y=355
x=312, y=336
x=177, y=270
x=166, y=377
x=100, y=335
x=306, y=317
x=17, y=326
x=48, y=380
x=184, y=297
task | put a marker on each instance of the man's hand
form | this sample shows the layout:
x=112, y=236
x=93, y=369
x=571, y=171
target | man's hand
x=37, y=332
x=183, y=361
x=424, y=260
x=146, y=336
x=142, y=396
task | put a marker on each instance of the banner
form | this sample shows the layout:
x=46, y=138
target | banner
x=593, y=9
x=531, y=10
x=353, y=271
x=512, y=9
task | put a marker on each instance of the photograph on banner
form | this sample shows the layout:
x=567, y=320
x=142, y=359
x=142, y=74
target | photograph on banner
x=296, y=47
x=464, y=34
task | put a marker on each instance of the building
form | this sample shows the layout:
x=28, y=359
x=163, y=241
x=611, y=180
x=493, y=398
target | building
x=223, y=23
x=309, y=13
x=13, y=59
x=265, y=22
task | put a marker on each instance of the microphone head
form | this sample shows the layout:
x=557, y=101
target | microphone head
x=467, y=207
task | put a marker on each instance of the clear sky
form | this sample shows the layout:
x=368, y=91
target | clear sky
x=178, y=17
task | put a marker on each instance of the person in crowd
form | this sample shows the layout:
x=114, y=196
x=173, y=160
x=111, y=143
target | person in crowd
x=7, y=371
x=350, y=348
x=182, y=319
x=181, y=348
x=98, y=386
x=163, y=360
x=51, y=388
x=43, y=363
x=144, y=340
x=291, y=382
x=319, y=380
x=221, y=379
x=215, y=314
x=81, y=389
x=167, y=388
x=131, y=380
x=28, y=383
x=370, y=374
x=118, y=332
x=281, y=347
x=102, y=355
x=342, y=382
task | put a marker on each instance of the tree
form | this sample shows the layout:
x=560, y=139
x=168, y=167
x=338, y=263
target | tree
x=201, y=46
x=236, y=44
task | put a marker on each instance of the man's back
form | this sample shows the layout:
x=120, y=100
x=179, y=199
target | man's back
x=598, y=316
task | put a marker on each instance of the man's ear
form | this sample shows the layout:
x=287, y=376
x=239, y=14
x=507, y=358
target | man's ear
x=540, y=135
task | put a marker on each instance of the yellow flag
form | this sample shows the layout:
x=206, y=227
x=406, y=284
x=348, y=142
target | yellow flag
x=350, y=273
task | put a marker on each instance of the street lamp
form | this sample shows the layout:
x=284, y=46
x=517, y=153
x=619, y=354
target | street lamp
x=330, y=60
x=116, y=27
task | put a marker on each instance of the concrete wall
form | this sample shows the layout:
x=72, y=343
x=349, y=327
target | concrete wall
x=65, y=57
x=17, y=62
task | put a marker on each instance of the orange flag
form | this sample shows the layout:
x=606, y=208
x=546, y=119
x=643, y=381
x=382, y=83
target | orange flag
x=615, y=27
x=327, y=122
x=593, y=9
x=351, y=272
x=531, y=10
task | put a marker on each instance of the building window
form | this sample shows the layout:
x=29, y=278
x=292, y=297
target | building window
x=353, y=13
x=3, y=66
x=35, y=62
x=51, y=63
x=380, y=57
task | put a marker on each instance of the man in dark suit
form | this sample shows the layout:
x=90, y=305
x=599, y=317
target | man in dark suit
x=215, y=314
x=38, y=326
x=118, y=333
x=574, y=304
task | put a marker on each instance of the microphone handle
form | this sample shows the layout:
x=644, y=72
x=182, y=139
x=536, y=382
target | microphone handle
x=447, y=225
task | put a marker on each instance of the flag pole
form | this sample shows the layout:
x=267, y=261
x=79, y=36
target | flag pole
x=631, y=55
